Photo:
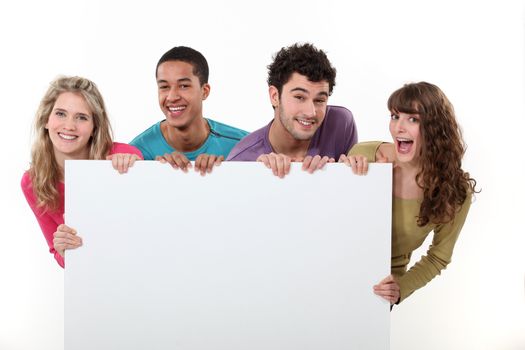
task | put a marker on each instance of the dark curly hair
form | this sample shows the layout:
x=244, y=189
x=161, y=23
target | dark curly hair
x=188, y=55
x=445, y=185
x=304, y=59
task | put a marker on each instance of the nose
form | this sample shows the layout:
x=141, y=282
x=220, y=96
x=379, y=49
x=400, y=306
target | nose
x=309, y=109
x=400, y=125
x=173, y=94
x=70, y=123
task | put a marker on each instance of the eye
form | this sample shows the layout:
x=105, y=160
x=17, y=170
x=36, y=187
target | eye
x=299, y=97
x=163, y=87
x=60, y=114
x=83, y=117
x=394, y=117
x=413, y=119
x=320, y=101
x=184, y=86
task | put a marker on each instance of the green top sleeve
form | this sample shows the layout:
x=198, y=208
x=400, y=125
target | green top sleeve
x=367, y=149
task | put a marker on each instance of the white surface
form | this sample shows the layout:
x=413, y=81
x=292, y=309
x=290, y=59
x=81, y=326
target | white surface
x=474, y=50
x=236, y=260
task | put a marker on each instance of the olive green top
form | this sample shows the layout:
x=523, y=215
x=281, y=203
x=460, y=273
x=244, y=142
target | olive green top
x=407, y=236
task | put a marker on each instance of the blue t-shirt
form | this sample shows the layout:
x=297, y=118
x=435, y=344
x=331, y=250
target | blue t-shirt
x=220, y=141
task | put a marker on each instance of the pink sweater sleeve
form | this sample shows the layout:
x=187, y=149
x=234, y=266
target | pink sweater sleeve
x=125, y=148
x=48, y=221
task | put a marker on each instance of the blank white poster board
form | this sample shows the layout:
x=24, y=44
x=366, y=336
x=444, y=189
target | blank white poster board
x=238, y=259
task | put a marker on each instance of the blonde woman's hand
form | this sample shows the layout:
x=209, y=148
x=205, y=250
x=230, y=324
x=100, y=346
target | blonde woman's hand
x=65, y=237
x=122, y=161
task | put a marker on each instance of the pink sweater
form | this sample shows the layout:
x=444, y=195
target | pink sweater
x=49, y=220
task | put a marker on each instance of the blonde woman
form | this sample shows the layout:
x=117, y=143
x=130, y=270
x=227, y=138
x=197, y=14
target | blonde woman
x=431, y=191
x=71, y=123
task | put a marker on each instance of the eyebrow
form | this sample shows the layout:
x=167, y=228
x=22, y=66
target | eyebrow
x=322, y=93
x=159, y=81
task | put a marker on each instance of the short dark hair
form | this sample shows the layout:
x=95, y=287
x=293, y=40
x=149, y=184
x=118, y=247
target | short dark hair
x=304, y=59
x=188, y=55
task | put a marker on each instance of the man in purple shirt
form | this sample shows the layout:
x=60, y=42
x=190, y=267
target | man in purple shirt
x=304, y=128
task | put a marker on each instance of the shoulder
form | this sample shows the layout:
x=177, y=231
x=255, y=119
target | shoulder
x=26, y=182
x=251, y=146
x=124, y=148
x=339, y=114
x=151, y=132
x=369, y=149
x=224, y=130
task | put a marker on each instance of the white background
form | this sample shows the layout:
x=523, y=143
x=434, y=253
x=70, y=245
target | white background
x=473, y=50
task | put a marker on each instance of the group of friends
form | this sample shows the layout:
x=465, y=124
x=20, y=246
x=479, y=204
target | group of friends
x=431, y=192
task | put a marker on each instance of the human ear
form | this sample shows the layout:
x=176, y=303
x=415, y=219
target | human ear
x=274, y=96
x=205, y=91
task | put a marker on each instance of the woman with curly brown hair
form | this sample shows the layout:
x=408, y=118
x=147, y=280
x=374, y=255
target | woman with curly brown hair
x=430, y=190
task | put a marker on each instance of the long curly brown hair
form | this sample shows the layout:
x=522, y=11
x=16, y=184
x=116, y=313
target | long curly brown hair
x=445, y=185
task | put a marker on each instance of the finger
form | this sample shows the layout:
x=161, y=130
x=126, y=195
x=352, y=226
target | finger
x=65, y=228
x=280, y=166
x=201, y=162
x=160, y=159
x=219, y=160
x=344, y=159
x=315, y=163
x=306, y=162
x=322, y=162
x=264, y=159
x=273, y=164
x=331, y=160
x=121, y=163
x=287, y=165
x=211, y=163
x=182, y=162
x=70, y=239
x=170, y=160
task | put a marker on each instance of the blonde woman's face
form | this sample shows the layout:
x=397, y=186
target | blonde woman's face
x=70, y=126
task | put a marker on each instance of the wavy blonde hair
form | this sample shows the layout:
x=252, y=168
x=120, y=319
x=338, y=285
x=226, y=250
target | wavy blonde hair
x=445, y=185
x=44, y=171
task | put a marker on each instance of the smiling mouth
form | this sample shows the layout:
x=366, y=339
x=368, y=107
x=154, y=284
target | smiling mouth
x=306, y=122
x=404, y=145
x=176, y=109
x=67, y=137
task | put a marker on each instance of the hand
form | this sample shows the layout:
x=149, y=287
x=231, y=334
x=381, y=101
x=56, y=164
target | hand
x=176, y=160
x=278, y=162
x=317, y=162
x=358, y=163
x=122, y=161
x=65, y=237
x=388, y=289
x=205, y=162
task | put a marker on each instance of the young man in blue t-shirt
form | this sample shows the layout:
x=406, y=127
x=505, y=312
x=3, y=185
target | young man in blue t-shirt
x=185, y=135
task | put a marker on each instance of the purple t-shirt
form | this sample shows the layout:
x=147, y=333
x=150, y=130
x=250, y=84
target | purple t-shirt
x=336, y=135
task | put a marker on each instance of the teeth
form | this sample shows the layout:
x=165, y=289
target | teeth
x=400, y=139
x=305, y=122
x=67, y=137
x=176, y=109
